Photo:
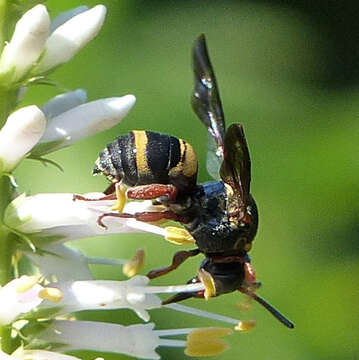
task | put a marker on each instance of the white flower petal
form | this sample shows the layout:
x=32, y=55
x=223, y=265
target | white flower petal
x=59, y=215
x=21, y=132
x=27, y=42
x=21, y=354
x=69, y=38
x=4, y=356
x=61, y=262
x=14, y=302
x=134, y=340
x=65, y=16
x=106, y=294
x=64, y=102
x=86, y=120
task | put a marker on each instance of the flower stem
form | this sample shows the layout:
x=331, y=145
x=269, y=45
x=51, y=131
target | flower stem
x=7, y=103
x=3, y=4
x=6, y=252
x=6, y=238
x=5, y=336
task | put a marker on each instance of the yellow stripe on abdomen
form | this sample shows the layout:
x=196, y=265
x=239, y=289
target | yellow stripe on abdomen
x=140, y=146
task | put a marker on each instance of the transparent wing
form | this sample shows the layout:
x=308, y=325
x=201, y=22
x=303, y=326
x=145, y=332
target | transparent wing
x=214, y=158
x=236, y=167
x=206, y=103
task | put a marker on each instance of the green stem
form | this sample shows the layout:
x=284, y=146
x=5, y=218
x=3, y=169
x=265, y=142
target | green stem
x=3, y=4
x=6, y=252
x=6, y=241
x=6, y=343
x=7, y=103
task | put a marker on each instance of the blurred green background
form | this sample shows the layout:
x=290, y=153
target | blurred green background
x=290, y=74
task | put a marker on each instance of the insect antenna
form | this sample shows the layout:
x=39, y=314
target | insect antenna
x=270, y=308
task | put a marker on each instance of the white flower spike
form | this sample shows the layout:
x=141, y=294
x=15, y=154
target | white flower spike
x=69, y=38
x=17, y=297
x=21, y=132
x=27, y=43
x=83, y=121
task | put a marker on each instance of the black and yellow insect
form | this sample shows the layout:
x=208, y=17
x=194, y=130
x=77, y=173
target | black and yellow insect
x=145, y=157
x=220, y=215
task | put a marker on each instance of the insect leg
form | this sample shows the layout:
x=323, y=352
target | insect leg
x=177, y=260
x=146, y=216
x=119, y=195
x=152, y=191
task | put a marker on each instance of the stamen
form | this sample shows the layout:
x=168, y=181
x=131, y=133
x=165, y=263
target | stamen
x=105, y=261
x=208, y=282
x=174, y=288
x=174, y=332
x=205, y=342
x=172, y=343
x=245, y=325
x=134, y=266
x=26, y=283
x=178, y=236
x=140, y=225
x=51, y=294
x=202, y=313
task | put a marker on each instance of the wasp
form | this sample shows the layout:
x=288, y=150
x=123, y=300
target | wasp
x=220, y=215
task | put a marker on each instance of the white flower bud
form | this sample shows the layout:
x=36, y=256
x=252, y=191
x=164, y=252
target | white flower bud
x=66, y=16
x=83, y=121
x=69, y=38
x=63, y=102
x=21, y=132
x=27, y=42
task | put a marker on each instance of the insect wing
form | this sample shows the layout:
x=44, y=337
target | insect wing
x=214, y=158
x=206, y=102
x=236, y=166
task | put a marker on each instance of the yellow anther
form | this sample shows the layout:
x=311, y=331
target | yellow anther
x=121, y=198
x=26, y=283
x=134, y=265
x=245, y=325
x=52, y=294
x=206, y=342
x=178, y=236
x=208, y=282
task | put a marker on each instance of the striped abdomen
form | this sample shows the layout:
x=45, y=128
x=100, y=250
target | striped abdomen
x=145, y=157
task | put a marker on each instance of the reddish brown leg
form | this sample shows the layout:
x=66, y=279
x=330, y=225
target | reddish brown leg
x=249, y=273
x=177, y=260
x=110, y=189
x=107, y=197
x=149, y=216
x=152, y=191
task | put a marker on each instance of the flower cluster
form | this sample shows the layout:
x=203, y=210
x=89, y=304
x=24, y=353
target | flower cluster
x=35, y=304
